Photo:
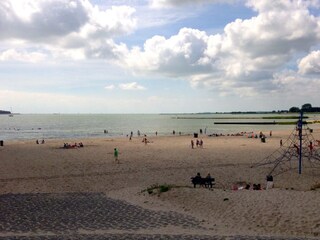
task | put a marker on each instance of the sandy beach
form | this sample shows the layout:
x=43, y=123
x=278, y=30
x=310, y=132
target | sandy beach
x=290, y=209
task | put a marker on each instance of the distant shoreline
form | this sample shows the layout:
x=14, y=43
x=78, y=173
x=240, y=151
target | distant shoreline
x=270, y=118
x=3, y=112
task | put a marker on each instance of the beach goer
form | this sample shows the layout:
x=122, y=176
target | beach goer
x=192, y=143
x=201, y=143
x=208, y=181
x=270, y=133
x=116, y=154
x=311, y=146
x=280, y=142
x=42, y=142
x=296, y=146
x=256, y=186
x=131, y=134
x=197, y=180
x=259, y=186
x=197, y=143
x=37, y=142
x=198, y=177
x=260, y=135
x=269, y=182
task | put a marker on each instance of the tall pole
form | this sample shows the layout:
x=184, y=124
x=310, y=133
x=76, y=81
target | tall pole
x=300, y=140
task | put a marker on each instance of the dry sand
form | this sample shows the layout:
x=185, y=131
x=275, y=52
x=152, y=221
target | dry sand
x=290, y=209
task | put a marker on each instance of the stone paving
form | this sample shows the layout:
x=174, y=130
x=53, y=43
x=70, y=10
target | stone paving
x=147, y=237
x=60, y=216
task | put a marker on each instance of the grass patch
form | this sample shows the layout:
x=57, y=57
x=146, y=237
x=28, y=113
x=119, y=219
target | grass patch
x=158, y=189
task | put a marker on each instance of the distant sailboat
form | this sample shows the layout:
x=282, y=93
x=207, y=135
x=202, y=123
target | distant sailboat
x=11, y=114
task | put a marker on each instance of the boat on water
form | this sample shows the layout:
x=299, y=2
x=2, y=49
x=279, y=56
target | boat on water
x=11, y=114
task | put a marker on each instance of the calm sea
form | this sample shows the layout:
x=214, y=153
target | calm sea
x=66, y=126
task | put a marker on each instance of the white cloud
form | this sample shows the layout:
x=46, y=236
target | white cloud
x=131, y=86
x=243, y=58
x=176, y=56
x=310, y=64
x=75, y=29
x=109, y=87
x=289, y=82
x=178, y=3
x=23, y=56
x=109, y=23
x=41, y=19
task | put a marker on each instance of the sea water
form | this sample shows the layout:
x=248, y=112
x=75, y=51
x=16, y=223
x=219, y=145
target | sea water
x=68, y=126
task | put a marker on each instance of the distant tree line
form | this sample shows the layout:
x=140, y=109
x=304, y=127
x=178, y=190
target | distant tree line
x=307, y=107
x=4, y=112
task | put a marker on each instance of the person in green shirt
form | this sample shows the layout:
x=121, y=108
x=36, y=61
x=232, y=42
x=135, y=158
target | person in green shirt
x=115, y=154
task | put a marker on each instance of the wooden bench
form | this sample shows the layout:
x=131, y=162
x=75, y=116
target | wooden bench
x=206, y=182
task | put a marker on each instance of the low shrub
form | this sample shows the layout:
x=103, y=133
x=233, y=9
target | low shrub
x=156, y=188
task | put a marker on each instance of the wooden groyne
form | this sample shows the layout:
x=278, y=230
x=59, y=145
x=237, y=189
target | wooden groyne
x=248, y=123
x=261, y=123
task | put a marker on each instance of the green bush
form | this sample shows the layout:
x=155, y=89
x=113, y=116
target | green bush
x=159, y=188
x=164, y=188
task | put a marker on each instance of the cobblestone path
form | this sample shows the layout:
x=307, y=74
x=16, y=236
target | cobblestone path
x=61, y=216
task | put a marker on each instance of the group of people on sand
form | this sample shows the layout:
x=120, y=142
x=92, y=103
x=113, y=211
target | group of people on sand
x=198, y=176
x=208, y=181
x=247, y=186
x=199, y=143
x=75, y=145
x=239, y=134
x=145, y=140
x=254, y=186
x=139, y=134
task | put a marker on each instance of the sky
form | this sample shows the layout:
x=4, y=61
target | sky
x=158, y=56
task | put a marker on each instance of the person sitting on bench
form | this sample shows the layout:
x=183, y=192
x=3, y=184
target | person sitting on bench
x=207, y=181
